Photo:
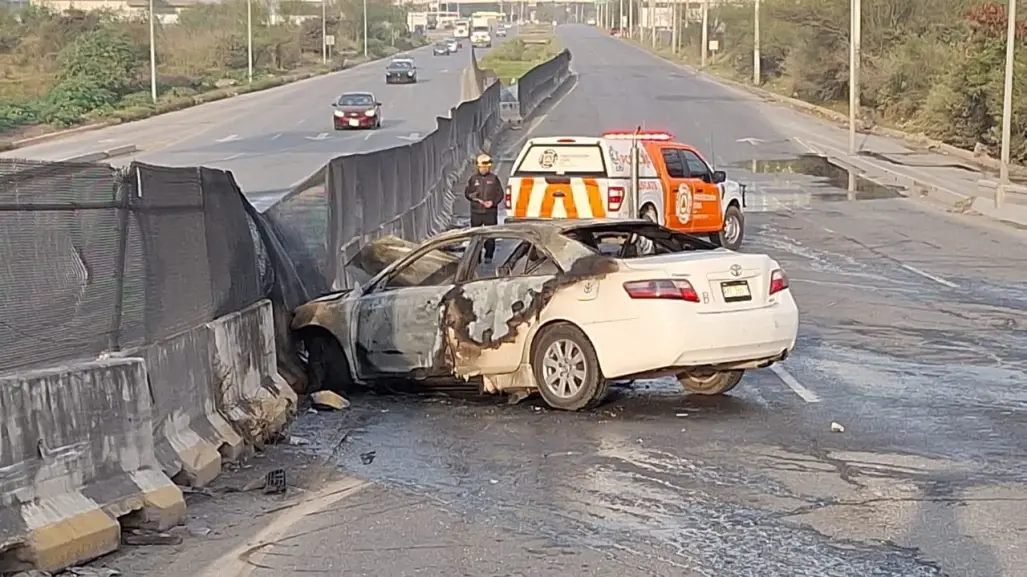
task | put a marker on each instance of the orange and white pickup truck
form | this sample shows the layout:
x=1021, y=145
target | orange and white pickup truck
x=626, y=175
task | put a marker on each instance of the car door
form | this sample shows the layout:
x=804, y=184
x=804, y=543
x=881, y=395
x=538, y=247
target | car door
x=677, y=197
x=397, y=325
x=505, y=299
x=707, y=214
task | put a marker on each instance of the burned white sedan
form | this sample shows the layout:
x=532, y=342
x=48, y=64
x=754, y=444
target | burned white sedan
x=562, y=308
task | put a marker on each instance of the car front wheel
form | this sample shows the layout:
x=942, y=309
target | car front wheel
x=711, y=383
x=566, y=369
x=327, y=366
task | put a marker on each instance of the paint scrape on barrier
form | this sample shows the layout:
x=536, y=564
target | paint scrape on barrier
x=191, y=437
x=256, y=399
x=76, y=462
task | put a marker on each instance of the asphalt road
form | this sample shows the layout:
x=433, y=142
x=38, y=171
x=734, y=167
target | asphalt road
x=913, y=338
x=274, y=138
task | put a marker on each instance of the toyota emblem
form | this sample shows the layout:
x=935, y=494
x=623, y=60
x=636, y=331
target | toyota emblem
x=736, y=270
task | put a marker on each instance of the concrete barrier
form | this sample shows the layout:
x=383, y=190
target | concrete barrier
x=248, y=389
x=77, y=463
x=191, y=437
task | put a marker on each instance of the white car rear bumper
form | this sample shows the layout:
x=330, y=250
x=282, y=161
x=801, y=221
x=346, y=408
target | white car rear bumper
x=681, y=338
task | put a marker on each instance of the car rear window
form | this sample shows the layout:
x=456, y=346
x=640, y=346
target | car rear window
x=563, y=160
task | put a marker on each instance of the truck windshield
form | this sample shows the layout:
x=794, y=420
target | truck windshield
x=563, y=160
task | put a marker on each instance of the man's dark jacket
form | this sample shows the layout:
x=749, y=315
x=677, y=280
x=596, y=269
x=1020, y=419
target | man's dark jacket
x=484, y=187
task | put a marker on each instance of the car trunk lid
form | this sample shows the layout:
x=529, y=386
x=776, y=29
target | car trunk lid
x=725, y=280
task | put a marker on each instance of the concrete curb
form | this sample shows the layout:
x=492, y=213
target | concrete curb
x=104, y=154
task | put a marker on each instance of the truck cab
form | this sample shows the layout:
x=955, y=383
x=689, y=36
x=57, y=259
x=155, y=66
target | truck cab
x=626, y=175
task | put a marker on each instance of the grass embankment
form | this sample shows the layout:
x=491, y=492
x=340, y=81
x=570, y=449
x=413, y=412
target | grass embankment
x=931, y=68
x=513, y=58
x=61, y=70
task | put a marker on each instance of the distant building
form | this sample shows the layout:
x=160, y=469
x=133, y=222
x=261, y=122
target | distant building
x=167, y=10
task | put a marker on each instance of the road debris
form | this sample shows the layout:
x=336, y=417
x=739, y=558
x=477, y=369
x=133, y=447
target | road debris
x=837, y=428
x=143, y=538
x=328, y=401
x=91, y=572
x=368, y=457
x=298, y=441
x=274, y=482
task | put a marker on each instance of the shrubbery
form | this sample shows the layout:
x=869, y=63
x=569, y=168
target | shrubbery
x=932, y=67
x=62, y=69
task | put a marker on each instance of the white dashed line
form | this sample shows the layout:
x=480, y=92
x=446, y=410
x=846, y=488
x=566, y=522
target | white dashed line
x=232, y=157
x=786, y=377
x=930, y=276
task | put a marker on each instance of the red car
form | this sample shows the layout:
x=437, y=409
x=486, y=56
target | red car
x=357, y=110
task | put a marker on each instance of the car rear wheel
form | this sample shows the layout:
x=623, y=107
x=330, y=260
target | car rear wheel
x=327, y=366
x=710, y=383
x=730, y=237
x=567, y=370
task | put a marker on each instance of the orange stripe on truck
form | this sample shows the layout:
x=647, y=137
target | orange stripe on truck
x=524, y=197
x=595, y=198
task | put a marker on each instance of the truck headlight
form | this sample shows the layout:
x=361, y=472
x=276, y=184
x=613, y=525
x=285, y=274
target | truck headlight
x=369, y=113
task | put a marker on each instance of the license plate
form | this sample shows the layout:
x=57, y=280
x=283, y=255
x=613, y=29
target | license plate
x=736, y=291
x=354, y=122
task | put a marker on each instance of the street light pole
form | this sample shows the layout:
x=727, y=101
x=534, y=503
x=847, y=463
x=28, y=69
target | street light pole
x=249, y=40
x=1007, y=105
x=756, y=44
x=855, y=34
x=153, y=59
x=652, y=23
x=365, y=28
x=324, y=32
x=705, y=32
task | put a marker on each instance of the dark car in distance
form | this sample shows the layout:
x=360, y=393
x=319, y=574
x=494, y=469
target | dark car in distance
x=357, y=110
x=441, y=49
x=401, y=72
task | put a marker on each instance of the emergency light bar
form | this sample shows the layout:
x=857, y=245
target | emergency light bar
x=638, y=136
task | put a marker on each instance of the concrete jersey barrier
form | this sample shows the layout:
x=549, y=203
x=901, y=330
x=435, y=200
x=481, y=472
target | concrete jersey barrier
x=76, y=462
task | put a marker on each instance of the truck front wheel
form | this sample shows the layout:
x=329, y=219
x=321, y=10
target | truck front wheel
x=730, y=237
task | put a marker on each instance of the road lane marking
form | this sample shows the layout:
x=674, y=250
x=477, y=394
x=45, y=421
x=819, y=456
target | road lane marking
x=930, y=276
x=232, y=157
x=229, y=138
x=277, y=136
x=786, y=377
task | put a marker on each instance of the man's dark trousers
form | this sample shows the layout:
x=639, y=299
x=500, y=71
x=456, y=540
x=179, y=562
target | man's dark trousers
x=486, y=217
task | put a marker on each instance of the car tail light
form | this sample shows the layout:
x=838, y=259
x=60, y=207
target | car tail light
x=778, y=281
x=509, y=197
x=614, y=198
x=662, y=289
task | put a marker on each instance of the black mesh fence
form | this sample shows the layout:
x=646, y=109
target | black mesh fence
x=542, y=81
x=97, y=259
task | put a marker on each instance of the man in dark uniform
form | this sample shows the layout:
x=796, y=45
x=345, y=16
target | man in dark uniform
x=485, y=193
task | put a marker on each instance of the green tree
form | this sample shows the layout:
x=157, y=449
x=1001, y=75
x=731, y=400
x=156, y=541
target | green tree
x=106, y=57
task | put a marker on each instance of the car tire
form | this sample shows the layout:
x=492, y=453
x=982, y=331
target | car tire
x=730, y=237
x=565, y=343
x=717, y=383
x=327, y=366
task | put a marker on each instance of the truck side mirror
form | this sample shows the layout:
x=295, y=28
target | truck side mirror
x=719, y=176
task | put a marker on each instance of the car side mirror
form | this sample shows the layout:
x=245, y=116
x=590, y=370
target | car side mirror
x=719, y=176
x=377, y=103
x=335, y=105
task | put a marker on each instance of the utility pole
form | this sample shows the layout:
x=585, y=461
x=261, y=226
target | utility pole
x=249, y=40
x=365, y=28
x=153, y=59
x=674, y=27
x=705, y=32
x=631, y=19
x=324, y=32
x=756, y=76
x=1007, y=106
x=652, y=22
x=855, y=32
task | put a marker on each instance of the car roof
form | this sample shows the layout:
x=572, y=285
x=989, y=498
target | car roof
x=548, y=232
x=345, y=94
